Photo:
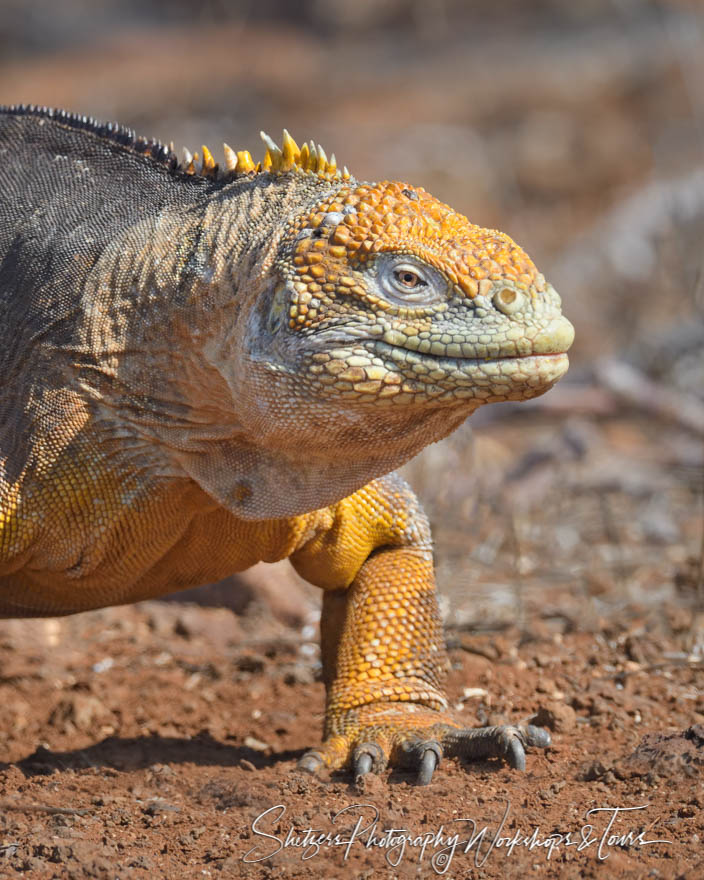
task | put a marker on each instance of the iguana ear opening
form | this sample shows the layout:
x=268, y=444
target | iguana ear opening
x=279, y=308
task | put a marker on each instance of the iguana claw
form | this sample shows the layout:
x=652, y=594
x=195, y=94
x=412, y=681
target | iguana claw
x=423, y=749
x=428, y=764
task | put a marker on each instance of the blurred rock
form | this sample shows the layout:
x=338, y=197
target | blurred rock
x=666, y=754
x=79, y=711
x=556, y=716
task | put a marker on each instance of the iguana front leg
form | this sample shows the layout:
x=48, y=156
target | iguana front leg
x=382, y=644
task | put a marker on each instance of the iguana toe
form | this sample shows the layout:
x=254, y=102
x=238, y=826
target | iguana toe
x=506, y=741
x=418, y=742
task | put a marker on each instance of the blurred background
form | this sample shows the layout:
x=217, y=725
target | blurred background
x=578, y=128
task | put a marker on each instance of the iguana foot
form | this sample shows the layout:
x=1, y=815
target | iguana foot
x=406, y=734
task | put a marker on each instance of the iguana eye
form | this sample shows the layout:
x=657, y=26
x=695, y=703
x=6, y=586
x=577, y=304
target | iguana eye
x=409, y=279
x=408, y=282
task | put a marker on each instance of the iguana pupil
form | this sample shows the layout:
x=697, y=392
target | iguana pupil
x=409, y=279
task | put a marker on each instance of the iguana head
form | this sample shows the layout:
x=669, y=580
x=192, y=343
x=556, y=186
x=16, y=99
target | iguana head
x=395, y=299
x=383, y=296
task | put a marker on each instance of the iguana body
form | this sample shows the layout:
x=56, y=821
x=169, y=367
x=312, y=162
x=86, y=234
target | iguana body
x=202, y=370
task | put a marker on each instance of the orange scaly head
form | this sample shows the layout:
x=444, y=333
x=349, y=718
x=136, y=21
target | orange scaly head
x=395, y=217
x=391, y=297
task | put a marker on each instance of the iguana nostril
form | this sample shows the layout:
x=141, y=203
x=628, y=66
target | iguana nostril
x=508, y=300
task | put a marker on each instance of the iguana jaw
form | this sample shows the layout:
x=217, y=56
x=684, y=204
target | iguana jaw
x=468, y=353
x=385, y=375
x=540, y=361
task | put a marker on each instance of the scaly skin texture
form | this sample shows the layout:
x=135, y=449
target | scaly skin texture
x=202, y=370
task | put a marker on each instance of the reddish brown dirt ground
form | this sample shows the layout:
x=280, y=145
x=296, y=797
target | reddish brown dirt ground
x=145, y=741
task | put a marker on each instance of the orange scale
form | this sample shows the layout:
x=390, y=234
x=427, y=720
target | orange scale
x=468, y=287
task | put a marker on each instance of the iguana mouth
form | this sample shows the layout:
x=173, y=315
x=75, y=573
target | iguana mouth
x=478, y=359
x=507, y=377
x=401, y=354
x=552, y=338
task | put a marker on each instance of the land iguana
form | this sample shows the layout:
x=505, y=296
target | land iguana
x=207, y=366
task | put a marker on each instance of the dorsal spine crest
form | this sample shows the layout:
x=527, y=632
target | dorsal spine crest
x=289, y=158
